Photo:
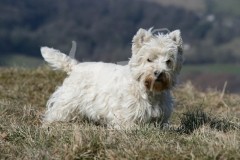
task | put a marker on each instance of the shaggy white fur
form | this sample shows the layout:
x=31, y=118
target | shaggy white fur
x=114, y=95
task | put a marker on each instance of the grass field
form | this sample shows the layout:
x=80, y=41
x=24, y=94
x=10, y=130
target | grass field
x=213, y=68
x=230, y=7
x=205, y=125
x=16, y=60
x=31, y=62
x=207, y=76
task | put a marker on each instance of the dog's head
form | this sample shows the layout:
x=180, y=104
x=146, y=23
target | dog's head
x=156, y=59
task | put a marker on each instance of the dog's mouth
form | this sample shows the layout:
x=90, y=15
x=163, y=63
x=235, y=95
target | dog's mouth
x=157, y=84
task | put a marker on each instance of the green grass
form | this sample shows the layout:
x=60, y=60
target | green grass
x=205, y=125
x=193, y=5
x=17, y=60
x=227, y=7
x=212, y=68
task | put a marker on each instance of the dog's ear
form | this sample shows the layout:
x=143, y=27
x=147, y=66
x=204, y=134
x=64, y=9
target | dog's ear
x=176, y=36
x=141, y=37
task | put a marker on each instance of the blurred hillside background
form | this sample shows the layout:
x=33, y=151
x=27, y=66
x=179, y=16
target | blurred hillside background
x=103, y=30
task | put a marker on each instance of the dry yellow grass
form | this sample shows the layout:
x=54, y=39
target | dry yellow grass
x=23, y=94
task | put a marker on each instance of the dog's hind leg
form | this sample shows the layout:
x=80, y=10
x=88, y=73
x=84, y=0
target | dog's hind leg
x=59, y=113
x=60, y=107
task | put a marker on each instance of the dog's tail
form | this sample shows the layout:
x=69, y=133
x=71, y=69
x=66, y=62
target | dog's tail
x=58, y=60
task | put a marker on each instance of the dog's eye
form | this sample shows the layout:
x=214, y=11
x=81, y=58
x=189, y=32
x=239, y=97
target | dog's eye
x=149, y=60
x=169, y=62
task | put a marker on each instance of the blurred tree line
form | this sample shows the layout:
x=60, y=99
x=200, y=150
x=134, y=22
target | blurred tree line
x=103, y=29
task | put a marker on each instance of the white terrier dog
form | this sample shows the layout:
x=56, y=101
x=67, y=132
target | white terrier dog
x=119, y=96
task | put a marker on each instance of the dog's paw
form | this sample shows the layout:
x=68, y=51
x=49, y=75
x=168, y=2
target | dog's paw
x=165, y=126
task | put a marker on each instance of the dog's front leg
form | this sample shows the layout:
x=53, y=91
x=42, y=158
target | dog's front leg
x=166, y=114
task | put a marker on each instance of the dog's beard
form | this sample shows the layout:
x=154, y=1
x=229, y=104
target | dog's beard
x=157, y=85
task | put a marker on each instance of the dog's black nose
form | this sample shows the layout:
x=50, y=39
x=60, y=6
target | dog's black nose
x=159, y=75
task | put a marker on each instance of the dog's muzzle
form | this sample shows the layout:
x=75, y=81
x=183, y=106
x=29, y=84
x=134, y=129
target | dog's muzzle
x=160, y=76
x=159, y=82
